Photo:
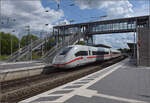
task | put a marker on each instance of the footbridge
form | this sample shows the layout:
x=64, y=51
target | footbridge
x=122, y=25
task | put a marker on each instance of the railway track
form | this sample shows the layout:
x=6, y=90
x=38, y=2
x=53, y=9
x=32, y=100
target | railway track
x=17, y=90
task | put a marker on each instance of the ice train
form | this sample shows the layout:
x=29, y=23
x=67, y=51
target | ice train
x=77, y=55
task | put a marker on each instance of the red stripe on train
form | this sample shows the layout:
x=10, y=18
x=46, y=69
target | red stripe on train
x=69, y=61
x=82, y=58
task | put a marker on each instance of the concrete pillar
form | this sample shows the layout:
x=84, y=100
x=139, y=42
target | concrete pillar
x=143, y=47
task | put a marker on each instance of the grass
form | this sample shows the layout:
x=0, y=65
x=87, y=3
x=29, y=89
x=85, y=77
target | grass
x=36, y=57
x=3, y=57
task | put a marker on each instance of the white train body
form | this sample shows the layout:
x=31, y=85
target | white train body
x=76, y=55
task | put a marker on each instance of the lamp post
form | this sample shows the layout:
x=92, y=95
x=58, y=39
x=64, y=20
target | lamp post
x=43, y=38
x=149, y=15
x=0, y=45
x=19, y=42
x=11, y=42
x=46, y=38
x=134, y=54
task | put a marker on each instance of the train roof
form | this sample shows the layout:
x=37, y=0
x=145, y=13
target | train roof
x=87, y=46
x=101, y=48
x=115, y=50
x=101, y=45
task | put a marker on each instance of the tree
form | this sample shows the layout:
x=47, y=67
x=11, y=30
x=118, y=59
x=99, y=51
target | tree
x=27, y=38
x=81, y=43
x=6, y=43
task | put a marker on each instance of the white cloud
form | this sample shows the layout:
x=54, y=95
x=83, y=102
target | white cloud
x=63, y=22
x=114, y=8
x=142, y=9
x=27, y=13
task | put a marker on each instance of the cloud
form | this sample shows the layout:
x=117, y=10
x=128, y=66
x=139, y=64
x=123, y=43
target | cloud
x=63, y=22
x=114, y=8
x=27, y=13
x=142, y=9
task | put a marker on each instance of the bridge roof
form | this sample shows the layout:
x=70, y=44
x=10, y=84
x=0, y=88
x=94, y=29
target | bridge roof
x=131, y=45
x=105, y=21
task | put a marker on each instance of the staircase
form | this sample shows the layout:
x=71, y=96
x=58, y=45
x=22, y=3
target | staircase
x=48, y=57
x=25, y=50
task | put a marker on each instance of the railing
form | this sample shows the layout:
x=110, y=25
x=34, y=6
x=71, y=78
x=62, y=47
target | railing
x=20, y=53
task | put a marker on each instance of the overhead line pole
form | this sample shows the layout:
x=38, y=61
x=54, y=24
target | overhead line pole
x=0, y=45
x=0, y=22
x=11, y=36
x=149, y=14
x=29, y=41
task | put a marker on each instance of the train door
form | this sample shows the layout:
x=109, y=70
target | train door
x=89, y=57
x=110, y=53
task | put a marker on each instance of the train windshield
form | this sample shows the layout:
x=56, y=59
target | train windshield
x=65, y=51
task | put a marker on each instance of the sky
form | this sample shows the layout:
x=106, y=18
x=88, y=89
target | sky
x=17, y=14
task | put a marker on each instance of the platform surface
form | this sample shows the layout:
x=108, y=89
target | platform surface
x=119, y=83
x=9, y=67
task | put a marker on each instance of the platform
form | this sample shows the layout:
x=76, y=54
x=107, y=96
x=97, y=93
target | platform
x=18, y=70
x=17, y=66
x=120, y=83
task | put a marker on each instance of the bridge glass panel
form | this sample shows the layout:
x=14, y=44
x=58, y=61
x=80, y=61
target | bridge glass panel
x=125, y=25
x=121, y=26
x=104, y=27
x=134, y=25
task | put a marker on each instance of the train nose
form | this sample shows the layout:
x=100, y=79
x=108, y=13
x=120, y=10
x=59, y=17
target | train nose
x=58, y=60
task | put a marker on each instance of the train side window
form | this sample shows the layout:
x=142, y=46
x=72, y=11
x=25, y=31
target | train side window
x=106, y=52
x=115, y=52
x=94, y=52
x=81, y=53
x=99, y=52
